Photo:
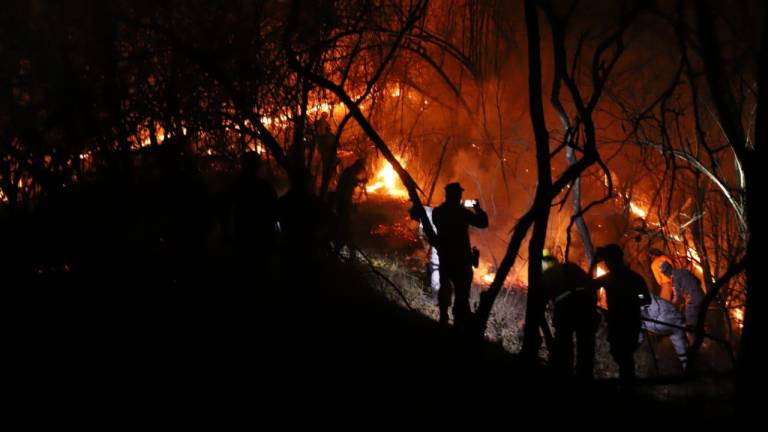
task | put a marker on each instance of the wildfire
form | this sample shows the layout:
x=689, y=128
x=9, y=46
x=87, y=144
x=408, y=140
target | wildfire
x=484, y=274
x=254, y=147
x=488, y=278
x=321, y=107
x=691, y=253
x=693, y=256
x=278, y=121
x=600, y=270
x=602, y=300
x=637, y=210
x=143, y=136
x=738, y=316
x=387, y=182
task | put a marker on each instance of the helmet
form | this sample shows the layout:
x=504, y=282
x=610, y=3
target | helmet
x=548, y=260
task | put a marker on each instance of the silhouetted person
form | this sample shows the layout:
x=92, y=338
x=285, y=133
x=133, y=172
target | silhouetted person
x=184, y=192
x=665, y=282
x=686, y=290
x=219, y=193
x=625, y=292
x=350, y=179
x=452, y=221
x=322, y=127
x=254, y=209
x=574, y=297
x=306, y=225
x=665, y=312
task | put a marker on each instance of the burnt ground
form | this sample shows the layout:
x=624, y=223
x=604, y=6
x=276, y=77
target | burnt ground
x=116, y=330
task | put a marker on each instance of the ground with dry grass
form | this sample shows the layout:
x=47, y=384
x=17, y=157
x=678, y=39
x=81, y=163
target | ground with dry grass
x=395, y=264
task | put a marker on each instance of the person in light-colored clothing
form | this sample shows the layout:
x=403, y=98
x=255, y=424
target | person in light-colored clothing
x=661, y=311
x=686, y=291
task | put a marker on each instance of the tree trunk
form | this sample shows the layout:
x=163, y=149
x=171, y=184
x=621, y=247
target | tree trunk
x=535, y=302
x=581, y=225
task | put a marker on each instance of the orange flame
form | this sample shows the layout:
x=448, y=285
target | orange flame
x=600, y=270
x=602, y=300
x=387, y=182
x=738, y=316
x=484, y=275
x=637, y=210
x=488, y=277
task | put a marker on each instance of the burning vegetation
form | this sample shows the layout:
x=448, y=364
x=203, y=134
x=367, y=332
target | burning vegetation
x=386, y=182
x=327, y=132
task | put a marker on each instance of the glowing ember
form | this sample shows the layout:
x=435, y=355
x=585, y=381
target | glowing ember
x=387, y=182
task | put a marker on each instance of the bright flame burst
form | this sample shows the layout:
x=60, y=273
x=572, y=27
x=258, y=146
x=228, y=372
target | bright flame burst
x=387, y=182
x=602, y=299
x=637, y=210
x=738, y=315
x=600, y=270
x=488, y=277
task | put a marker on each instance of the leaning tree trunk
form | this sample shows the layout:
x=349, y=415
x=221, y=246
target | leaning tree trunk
x=354, y=109
x=535, y=302
x=581, y=225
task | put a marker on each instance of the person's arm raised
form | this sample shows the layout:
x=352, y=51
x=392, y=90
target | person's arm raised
x=478, y=218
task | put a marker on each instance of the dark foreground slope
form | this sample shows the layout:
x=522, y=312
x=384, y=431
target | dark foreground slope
x=108, y=321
